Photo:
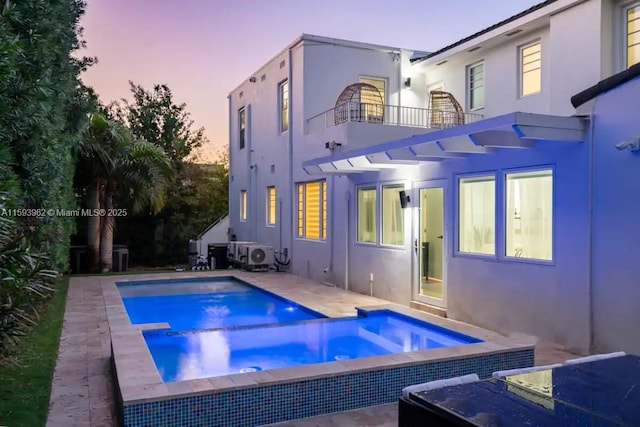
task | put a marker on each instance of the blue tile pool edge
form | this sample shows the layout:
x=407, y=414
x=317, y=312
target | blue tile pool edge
x=306, y=398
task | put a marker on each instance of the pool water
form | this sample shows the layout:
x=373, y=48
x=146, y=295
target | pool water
x=206, y=304
x=184, y=356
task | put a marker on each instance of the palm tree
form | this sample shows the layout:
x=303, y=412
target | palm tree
x=113, y=166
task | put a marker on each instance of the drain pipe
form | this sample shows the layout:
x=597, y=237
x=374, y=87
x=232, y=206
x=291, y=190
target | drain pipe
x=290, y=138
x=347, y=196
x=590, y=272
x=329, y=269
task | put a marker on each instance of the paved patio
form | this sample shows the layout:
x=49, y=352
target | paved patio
x=82, y=391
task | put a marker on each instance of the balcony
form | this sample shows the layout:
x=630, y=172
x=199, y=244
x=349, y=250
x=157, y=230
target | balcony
x=390, y=115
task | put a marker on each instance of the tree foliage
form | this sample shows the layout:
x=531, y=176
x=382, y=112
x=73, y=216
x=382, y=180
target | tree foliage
x=197, y=194
x=42, y=107
x=114, y=167
x=155, y=117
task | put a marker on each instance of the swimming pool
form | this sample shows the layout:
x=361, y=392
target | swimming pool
x=238, y=399
x=207, y=303
x=186, y=356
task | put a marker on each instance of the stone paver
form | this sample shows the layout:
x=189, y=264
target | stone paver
x=82, y=394
x=82, y=390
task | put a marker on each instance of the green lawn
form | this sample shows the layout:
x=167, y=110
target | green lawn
x=24, y=389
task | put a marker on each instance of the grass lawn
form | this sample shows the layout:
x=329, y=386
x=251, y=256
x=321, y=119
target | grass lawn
x=24, y=389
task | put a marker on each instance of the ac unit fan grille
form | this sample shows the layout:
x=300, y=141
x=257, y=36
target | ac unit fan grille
x=257, y=256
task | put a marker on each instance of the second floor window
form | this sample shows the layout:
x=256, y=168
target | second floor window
x=632, y=34
x=475, y=85
x=284, y=105
x=530, y=69
x=242, y=127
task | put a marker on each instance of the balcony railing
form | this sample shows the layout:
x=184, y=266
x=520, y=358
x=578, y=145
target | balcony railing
x=394, y=115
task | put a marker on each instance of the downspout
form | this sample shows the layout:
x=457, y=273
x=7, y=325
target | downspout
x=590, y=261
x=249, y=190
x=400, y=87
x=290, y=137
x=347, y=197
x=329, y=269
x=230, y=161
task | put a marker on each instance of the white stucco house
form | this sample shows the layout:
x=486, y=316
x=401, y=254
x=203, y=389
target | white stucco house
x=462, y=181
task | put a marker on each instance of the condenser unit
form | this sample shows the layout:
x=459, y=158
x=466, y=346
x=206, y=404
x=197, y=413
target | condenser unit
x=259, y=257
x=232, y=250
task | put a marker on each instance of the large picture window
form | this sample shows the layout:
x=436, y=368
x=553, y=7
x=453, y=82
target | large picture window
x=392, y=216
x=477, y=215
x=312, y=209
x=367, y=215
x=529, y=213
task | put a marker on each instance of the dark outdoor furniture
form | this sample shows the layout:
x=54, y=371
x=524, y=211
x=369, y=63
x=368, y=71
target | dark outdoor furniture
x=599, y=393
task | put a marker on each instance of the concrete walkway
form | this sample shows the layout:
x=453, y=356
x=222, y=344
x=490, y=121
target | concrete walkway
x=82, y=391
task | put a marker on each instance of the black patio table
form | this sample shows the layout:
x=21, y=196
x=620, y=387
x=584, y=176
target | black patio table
x=600, y=393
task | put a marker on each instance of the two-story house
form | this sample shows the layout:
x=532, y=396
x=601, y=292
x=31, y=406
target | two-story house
x=458, y=181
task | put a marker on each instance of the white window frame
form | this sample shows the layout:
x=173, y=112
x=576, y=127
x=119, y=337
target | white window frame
x=496, y=228
x=271, y=222
x=283, y=110
x=470, y=106
x=521, y=64
x=381, y=218
x=374, y=188
x=502, y=232
x=243, y=206
x=625, y=33
x=301, y=215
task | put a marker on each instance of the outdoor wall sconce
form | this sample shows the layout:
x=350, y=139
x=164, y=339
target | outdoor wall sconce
x=404, y=199
x=631, y=144
x=330, y=145
x=407, y=83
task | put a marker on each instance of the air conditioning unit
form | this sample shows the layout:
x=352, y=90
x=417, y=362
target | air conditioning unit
x=259, y=257
x=232, y=250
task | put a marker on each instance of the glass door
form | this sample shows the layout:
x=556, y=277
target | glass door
x=429, y=245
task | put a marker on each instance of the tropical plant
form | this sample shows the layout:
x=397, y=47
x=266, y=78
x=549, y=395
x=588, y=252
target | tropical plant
x=114, y=168
x=23, y=279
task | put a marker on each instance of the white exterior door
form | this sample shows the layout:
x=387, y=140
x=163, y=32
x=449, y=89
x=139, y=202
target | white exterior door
x=430, y=243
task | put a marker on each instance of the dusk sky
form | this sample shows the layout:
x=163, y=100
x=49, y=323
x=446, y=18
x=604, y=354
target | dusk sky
x=203, y=49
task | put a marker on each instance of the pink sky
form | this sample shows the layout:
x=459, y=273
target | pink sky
x=202, y=49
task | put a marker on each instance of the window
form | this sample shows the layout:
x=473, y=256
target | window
x=242, y=126
x=530, y=69
x=312, y=209
x=477, y=215
x=528, y=222
x=366, y=215
x=271, y=205
x=374, y=111
x=243, y=205
x=392, y=216
x=283, y=90
x=475, y=85
x=632, y=34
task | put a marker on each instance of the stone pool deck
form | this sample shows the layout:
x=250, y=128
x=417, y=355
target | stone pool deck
x=82, y=392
